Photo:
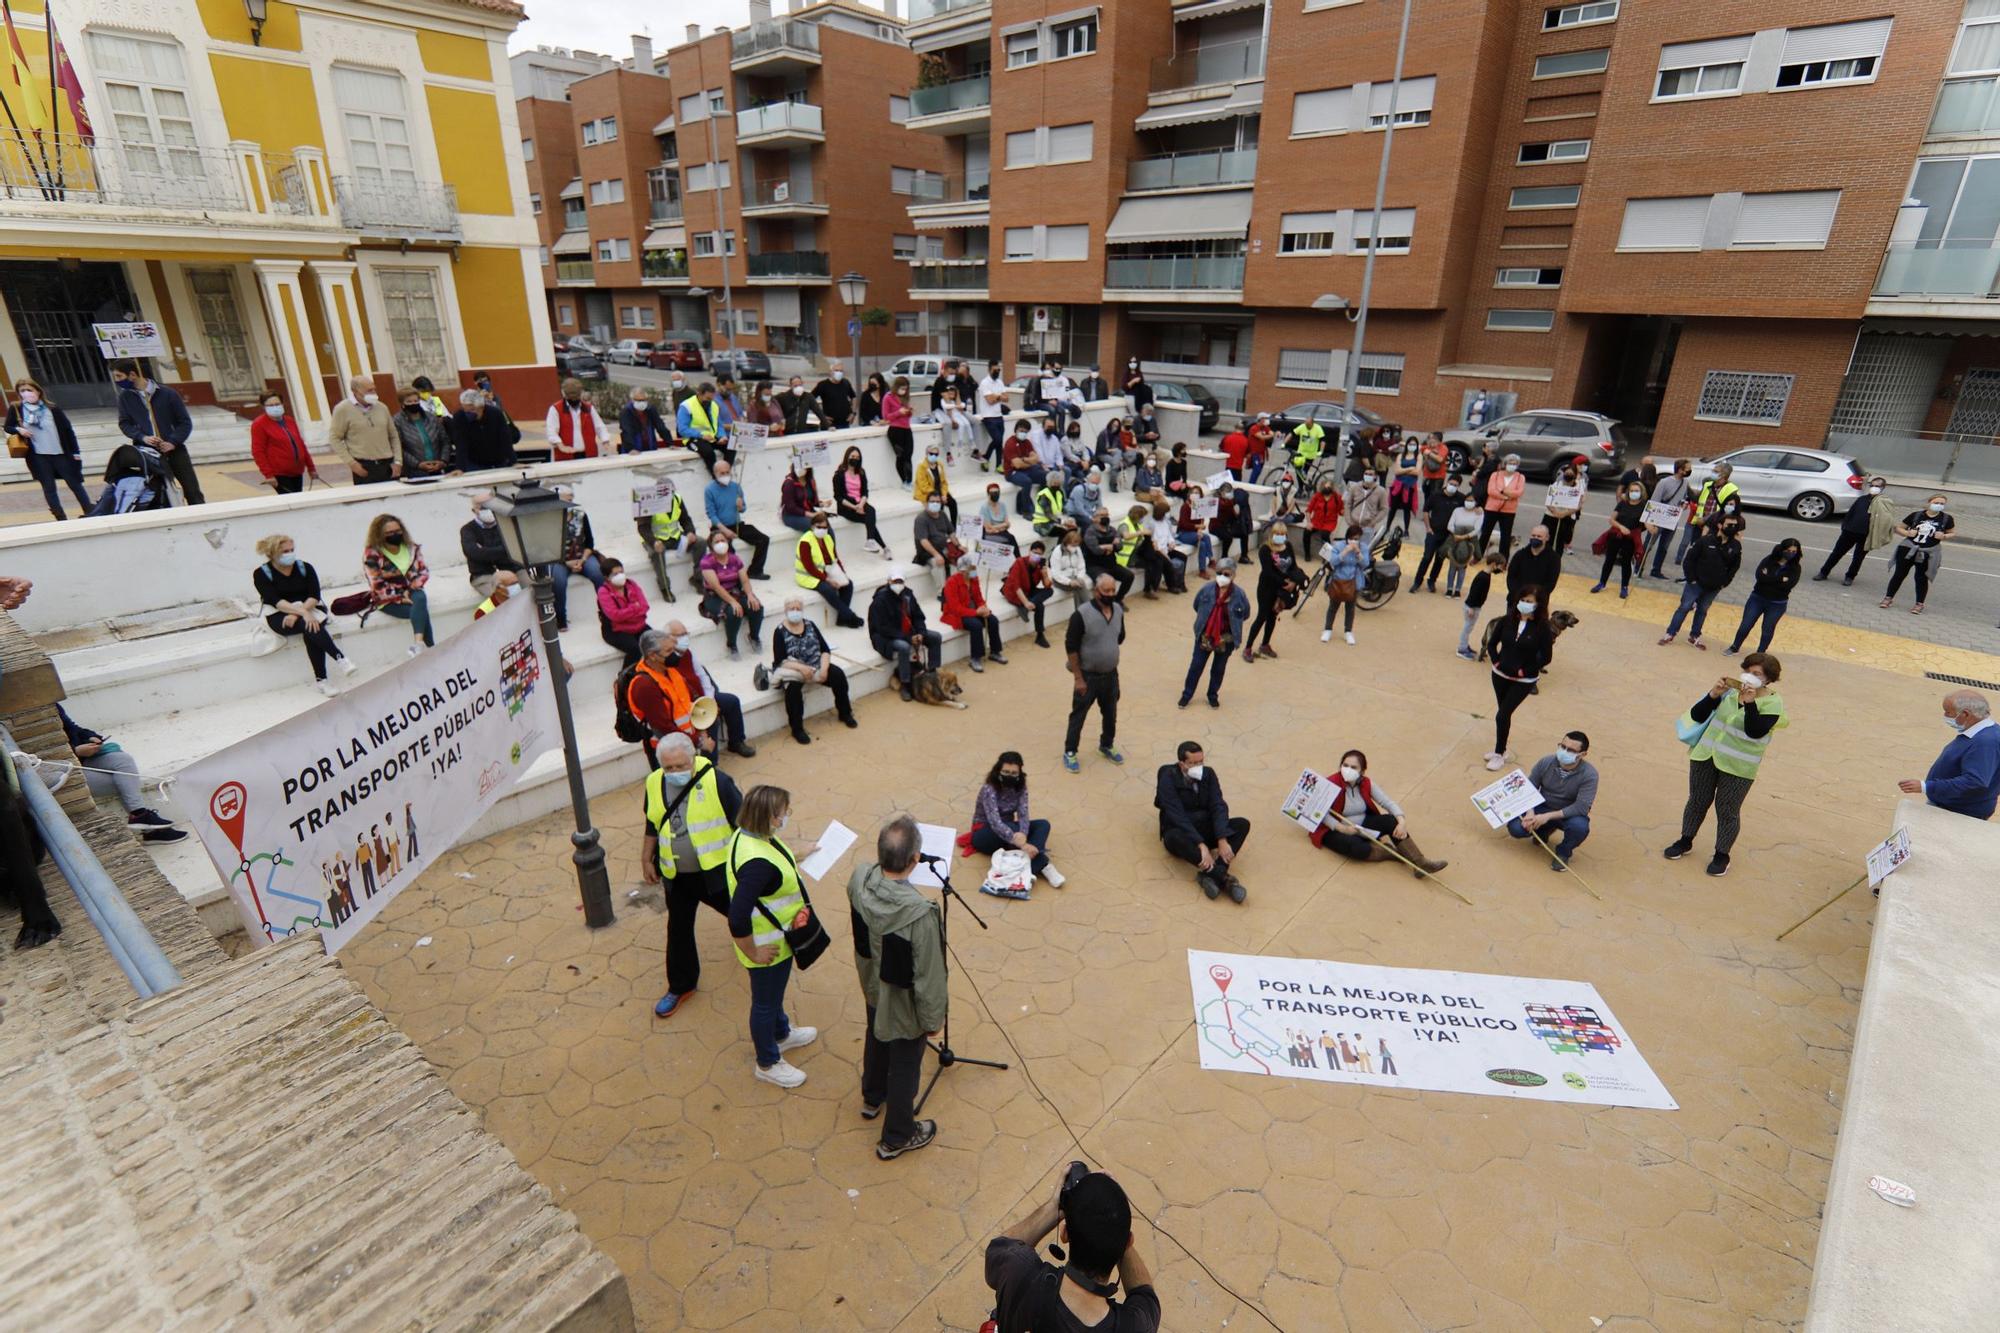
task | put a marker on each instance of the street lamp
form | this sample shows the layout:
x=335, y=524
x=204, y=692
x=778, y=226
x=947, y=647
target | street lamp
x=854, y=294
x=532, y=522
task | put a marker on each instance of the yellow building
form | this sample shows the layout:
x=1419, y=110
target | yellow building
x=330, y=188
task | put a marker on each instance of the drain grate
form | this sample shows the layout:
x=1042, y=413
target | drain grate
x=1962, y=680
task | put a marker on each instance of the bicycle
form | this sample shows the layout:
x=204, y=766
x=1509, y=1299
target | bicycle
x=1377, y=587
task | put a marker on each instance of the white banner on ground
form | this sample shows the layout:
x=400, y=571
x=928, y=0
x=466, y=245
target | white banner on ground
x=368, y=788
x=1886, y=856
x=1564, y=497
x=1510, y=796
x=1402, y=1027
x=1311, y=797
x=1662, y=516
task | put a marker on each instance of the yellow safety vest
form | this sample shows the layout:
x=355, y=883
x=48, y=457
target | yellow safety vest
x=822, y=543
x=1712, y=497
x=1308, y=437
x=1130, y=535
x=1049, y=505
x=667, y=526
x=784, y=903
x=702, y=419
x=707, y=824
x=1726, y=744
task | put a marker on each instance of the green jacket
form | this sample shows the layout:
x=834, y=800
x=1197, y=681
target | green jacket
x=881, y=907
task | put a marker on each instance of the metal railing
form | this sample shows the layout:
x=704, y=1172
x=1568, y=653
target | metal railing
x=660, y=265
x=957, y=95
x=397, y=208
x=1192, y=273
x=1211, y=166
x=65, y=169
x=930, y=9
x=933, y=275
x=1223, y=62
x=798, y=117
x=666, y=210
x=763, y=39
x=1969, y=268
x=931, y=187
x=788, y=264
x=790, y=342
x=776, y=194
x=130, y=944
x=575, y=270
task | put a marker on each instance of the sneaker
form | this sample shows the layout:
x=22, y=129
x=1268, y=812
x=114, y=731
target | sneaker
x=796, y=1038
x=1111, y=752
x=870, y=1110
x=1069, y=761
x=1559, y=865
x=925, y=1132
x=1494, y=761
x=1468, y=654
x=1326, y=636
x=144, y=817
x=760, y=576
x=325, y=687
x=735, y=653
x=1349, y=636
x=164, y=835
x=347, y=667
x=1624, y=592
x=1678, y=848
x=1719, y=865
x=1597, y=588
x=743, y=749
x=668, y=1003
x=1184, y=701
x=1211, y=887
x=1001, y=658
x=782, y=1074
x=1697, y=643
x=414, y=650
x=978, y=667
x=1052, y=877
x=1237, y=893
x=873, y=547
x=762, y=676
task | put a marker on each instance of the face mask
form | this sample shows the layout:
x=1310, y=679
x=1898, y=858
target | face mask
x=1933, y=508
x=371, y=398
x=1195, y=771
x=1367, y=482
x=1513, y=467
x=1566, y=758
x=287, y=560
x=413, y=409
x=30, y=396
x=1013, y=779
x=1750, y=682
x=1278, y=543
x=784, y=822
x=486, y=518
x=678, y=381
x=392, y=539
x=275, y=412
x=722, y=478
x=836, y=377
x=1470, y=504
x=1223, y=580
x=933, y=455
x=1034, y=557
x=896, y=588
x=1535, y=542
x=639, y=403
x=1451, y=490
x=1874, y=490
x=720, y=548
x=618, y=580
x=763, y=397
x=795, y=617
x=1729, y=508
x=1955, y=724
x=820, y=528
x=1635, y=496
x=677, y=779
x=1349, y=773
x=482, y=385
x=993, y=496
x=1525, y=608
x=934, y=507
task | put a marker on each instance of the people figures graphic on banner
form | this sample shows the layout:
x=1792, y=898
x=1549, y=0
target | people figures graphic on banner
x=1363, y=815
x=1195, y=823
x=1568, y=784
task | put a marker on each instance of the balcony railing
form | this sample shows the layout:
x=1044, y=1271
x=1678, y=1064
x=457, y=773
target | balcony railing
x=778, y=194
x=790, y=342
x=65, y=169
x=936, y=276
x=1218, y=166
x=931, y=9
x=660, y=265
x=763, y=39
x=798, y=117
x=666, y=210
x=1159, y=273
x=1223, y=62
x=789, y=264
x=932, y=187
x=957, y=95
x=397, y=208
x=575, y=270
x=1940, y=269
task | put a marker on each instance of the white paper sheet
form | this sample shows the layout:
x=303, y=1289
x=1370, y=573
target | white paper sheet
x=939, y=841
x=833, y=845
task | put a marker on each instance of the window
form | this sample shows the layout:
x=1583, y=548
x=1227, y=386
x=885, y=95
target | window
x=1322, y=112
x=1073, y=39
x=1978, y=47
x=1020, y=244
x=1561, y=150
x=718, y=101
x=1062, y=243
x=1528, y=277
x=704, y=176
x=909, y=323
x=899, y=109
x=527, y=150
x=565, y=313
x=704, y=244
x=1855, y=69
x=1379, y=372
x=637, y=317
x=416, y=326
x=1711, y=68
x=614, y=251
x=1664, y=224
x=902, y=180
x=607, y=192
x=1576, y=16
x=542, y=255
x=1307, y=233
x=1047, y=145
x=746, y=321
x=1800, y=218
x=1566, y=63
x=693, y=107
x=1414, y=99
x=589, y=133
x=1305, y=369
x=604, y=130
x=1833, y=53
x=903, y=247
x=1024, y=48
x=1741, y=395
x=535, y=204
x=574, y=217
x=1520, y=321
x=145, y=83
x=1544, y=196
x=1398, y=225
x=374, y=119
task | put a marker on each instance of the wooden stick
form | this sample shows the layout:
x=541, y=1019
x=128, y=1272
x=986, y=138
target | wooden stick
x=1563, y=863
x=1828, y=903
x=1390, y=845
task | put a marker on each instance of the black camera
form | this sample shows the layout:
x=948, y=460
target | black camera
x=1077, y=1171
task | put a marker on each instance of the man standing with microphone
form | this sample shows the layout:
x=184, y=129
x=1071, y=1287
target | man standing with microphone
x=899, y=958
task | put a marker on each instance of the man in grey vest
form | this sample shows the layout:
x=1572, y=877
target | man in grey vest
x=1096, y=630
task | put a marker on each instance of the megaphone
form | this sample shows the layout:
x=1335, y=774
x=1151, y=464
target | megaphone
x=702, y=713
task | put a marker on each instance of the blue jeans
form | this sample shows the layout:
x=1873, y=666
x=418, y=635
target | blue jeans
x=1760, y=608
x=1575, y=829
x=796, y=522
x=1696, y=598
x=1028, y=480
x=768, y=1024
x=1202, y=548
x=1202, y=655
x=417, y=611
x=986, y=842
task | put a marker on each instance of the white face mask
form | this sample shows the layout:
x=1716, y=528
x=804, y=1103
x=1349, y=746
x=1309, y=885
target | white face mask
x=1751, y=682
x=1223, y=580
x=1525, y=608
x=274, y=411
x=486, y=518
x=795, y=617
x=1512, y=467
x=617, y=580
x=678, y=381
x=1933, y=508
x=371, y=398
x=784, y=822
x=722, y=478
x=720, y=548
x=30, y=396
x=837, y=377
x=1195, y=771
x=1278, y=543
x=1470, y=503
x=1349, y=773
x=1874, y=490
x=896, y=588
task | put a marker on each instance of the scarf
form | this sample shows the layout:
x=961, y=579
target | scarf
x=1216, y=632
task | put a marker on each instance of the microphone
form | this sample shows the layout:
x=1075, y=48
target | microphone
x=928, y=859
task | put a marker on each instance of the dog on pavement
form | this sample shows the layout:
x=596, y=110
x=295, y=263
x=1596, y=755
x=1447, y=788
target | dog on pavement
x=937, y=688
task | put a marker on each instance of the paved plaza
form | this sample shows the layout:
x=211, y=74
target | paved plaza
x=732, y=1204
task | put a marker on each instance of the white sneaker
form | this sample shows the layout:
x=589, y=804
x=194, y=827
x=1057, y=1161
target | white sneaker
x=325, y=687
x=1493, y=762
x=796, y=1038
x=1326, y=636
x=782, y=1074
x=1350, y=636
x=416, y=649
x=1052, y=877
x=872, y=546
x=347, y=667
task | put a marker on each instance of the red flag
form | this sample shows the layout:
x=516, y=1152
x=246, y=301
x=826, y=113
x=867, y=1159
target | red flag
x=66, y=79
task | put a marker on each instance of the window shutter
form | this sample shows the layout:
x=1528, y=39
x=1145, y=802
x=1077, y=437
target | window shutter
x=1323, y=110
x=1796, y=217
x=1716, y=51
x=1395, y=222
x=1020, y=242
x=1300, y=366
x=1657, y=224
x=1021, y=148
x=781, y=307
x=1293, y=223
x=1415, y=95
x=1836, y=41
x=1071, y=242
x=1070, y=143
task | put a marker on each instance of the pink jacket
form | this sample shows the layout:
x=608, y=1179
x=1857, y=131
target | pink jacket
x=895, y=412
x=1503, y=491
x=624, y=608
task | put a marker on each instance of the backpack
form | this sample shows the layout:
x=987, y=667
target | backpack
x=1031, y=393
x=623, y=720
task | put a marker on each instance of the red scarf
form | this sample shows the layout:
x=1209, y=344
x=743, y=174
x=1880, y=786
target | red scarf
x=1341, y=789
x=1216, y=631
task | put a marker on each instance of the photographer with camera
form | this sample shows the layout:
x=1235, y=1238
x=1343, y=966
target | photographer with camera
x=1096, y=1224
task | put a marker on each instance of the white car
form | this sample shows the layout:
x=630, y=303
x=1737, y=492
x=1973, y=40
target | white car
x=919, y=370
x=630, y=352
x=1809, y=484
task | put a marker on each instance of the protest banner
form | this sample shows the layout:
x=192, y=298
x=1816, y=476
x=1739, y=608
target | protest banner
x=652, y=497
x=1501, y=801
x=367, y=789
x=748, y=434
x=1665, y=517
x=996, y=556
x=1563, y=497
x=1887, y=855
x=1217, y=479
x=1311, y=797
x=1398, y=1027
x=129, y=338
x=1205, y=507
x=970, y=533
x=816, y=453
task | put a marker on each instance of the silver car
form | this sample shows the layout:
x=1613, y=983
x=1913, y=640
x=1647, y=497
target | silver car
x=1546, y=436
x=1811, y=484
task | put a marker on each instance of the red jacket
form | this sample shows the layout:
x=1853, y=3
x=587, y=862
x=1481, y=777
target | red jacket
x=1024, y=575
x=1340, y=798
x=1235, y=448
x=962, y=598
x=1323, y=511
x=279, y=449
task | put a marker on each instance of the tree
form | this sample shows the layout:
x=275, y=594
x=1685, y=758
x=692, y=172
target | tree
x=874, y=317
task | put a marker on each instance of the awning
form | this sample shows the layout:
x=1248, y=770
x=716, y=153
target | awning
x=665, y=238
x=1224, y=215
x=953, y=222
x=573, y=190
x=1206, y=8
x=664, y=127
x=1246, y=100
x=571, y=243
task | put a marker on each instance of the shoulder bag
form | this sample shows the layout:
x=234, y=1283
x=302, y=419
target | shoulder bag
x=809, y=941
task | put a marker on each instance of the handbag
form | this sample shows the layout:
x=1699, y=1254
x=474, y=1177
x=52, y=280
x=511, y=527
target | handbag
x=354, y=604
x=18, y=447
x=1340, y=590
x=1688, y=731
x=806, y=942
x=1011, y=874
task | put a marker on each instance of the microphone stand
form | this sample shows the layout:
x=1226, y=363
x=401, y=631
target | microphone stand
x=946, y=1056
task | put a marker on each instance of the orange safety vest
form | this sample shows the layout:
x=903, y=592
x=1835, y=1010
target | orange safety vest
x=672, y=688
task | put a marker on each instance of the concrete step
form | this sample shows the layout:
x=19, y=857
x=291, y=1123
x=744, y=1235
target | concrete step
x=220, y=436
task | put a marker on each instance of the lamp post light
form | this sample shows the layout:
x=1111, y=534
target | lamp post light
x=257, y=11
x=532, y=520
x=854, y=294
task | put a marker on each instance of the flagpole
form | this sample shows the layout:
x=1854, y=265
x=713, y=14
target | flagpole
x=15, y=54
x=55, y=107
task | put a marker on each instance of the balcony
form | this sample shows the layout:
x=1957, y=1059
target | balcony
x=1967, y=106
x=948, y=279
x=922, y=11
x=575, y=273
x=1941, y=271
x=1192, y=170
x=660, y=266
x=955, y=200
x=1193, y=278
x=64, y=173
x=958, y=107
x=780, y=124
x=784, y=267
x=409, y=210
x=775, y=46
x=666, y=210
x=783, y=199
x=1206, y=66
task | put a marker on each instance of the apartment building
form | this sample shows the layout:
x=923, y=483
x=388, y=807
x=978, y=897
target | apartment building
x=320, y=190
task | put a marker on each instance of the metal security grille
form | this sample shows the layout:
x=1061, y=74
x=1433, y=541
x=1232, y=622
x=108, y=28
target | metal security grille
x=416, y=327
x=1976, y=414
x=1742, y=395
x=1966, y=681
x=1889, y=386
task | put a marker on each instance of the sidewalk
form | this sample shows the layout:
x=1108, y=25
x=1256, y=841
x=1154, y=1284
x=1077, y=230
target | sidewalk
x=21, y=502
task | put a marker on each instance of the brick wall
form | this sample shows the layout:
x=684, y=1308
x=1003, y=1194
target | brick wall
x=1815, y=351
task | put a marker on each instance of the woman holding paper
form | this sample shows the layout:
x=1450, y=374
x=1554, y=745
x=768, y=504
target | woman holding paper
x=1362, y=815
x=1563, y=504
x=767, y=898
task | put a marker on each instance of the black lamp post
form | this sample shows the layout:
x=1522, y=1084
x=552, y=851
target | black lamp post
x=853, y=294
x=532, y=520
x=256, y=11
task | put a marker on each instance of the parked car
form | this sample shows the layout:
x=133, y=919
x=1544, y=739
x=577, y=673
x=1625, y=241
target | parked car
x=919, y=370
x=1810, y=484
x=1178, y=391
x=631, y=352
x=745, y=365
x=1545, y=437
x=1328, y=413
x=676, y=354
x=583, y=365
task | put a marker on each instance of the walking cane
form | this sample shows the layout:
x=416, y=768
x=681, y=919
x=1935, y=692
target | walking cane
x=1828, y=903
x=1536, y=833
x=1390, y=845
